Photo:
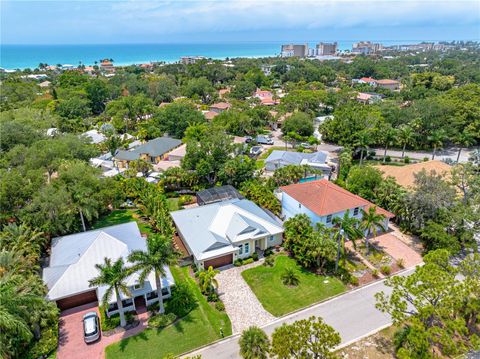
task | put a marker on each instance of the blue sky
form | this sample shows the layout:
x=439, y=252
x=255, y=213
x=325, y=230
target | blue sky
x=90, y=22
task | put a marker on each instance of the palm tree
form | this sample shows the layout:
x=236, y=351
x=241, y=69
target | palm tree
x=207, y=281
x=406, y=136
x=371, y=221
x=254, y=343
x=464, y=139
x=436, y=140
x=290, y=277
x=159, y=254
x=345, y=227
x=113, y=276
x=389, y=136
x=363, y=141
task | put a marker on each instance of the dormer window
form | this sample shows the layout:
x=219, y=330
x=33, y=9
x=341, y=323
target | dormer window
x=138, y=286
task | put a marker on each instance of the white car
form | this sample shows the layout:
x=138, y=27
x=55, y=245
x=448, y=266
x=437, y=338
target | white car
x=91, y=327
x=256, y=150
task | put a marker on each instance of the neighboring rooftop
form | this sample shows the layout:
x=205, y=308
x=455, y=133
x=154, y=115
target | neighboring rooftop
x=405, y=175
x=156, y=147
x=221, y=105
x=324, y=197
x=95, y=136
x=218, y=194
x=298, y=158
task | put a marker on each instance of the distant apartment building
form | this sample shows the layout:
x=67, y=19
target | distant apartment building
x=291, y=50
x=326, y=48
x=106, y=65
x=366, y=48
x=189, y=60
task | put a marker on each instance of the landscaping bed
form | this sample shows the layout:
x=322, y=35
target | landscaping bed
x=280, y=299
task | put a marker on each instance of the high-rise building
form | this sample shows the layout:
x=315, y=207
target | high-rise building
x=366, y=47
x=326, y=48
x=189, y=60
x=290, y=50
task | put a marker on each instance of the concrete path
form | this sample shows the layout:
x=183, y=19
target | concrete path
x=241, y=304
x=352, y=314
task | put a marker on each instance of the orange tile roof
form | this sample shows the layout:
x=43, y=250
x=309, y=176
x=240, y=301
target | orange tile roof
x=210, y=115
x=405, y=175
x=387, y=82
x=324, y=197
x=368, y=79
x=221, y=105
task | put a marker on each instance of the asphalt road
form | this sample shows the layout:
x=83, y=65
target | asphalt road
x=352, y=314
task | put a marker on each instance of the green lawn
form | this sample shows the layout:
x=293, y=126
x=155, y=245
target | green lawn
x=280, y=299
x=201, y=326
x=173, y=204
x=120, y=216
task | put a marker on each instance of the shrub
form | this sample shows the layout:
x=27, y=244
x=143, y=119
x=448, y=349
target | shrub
x=47, y=343
x=161, y=320
x=354, y=281
x=255, y=256
x=269, y=261
x=238, y=262
x=290, y=277
x=212, y=297
x=254, y=343
x=376, y=273
x=425, y=159
x=185, y=199
x=182, y=300
x=248, y=260
x=406, y=160
x=268, y=252
x=111, y=323
x=388, y=159
x=220, y=306
x=153, y=308
x=401, y=263
x=386, y=269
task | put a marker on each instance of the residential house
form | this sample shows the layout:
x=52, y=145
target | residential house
x=388, y=84
x=44, y=84
x=219, y=107
x=95, y=136
x=219, y=233
x=72, y=266
x=153, y=151
x=265, y=97
x=177, y=154
x=210, y=115
x=367, y=80
x=316, y=161
x=369, y=97
x=107, y=66
x=322, y=201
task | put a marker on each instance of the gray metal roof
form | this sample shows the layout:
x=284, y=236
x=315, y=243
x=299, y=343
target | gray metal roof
x=295, y=158
x=153, y=148
x=217, y=194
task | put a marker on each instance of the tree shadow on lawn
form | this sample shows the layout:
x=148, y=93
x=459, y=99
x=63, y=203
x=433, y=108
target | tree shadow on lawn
x=140, y=336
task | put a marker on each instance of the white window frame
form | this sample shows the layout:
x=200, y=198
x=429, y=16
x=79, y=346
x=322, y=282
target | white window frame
x=247, y=248
x=137, y=286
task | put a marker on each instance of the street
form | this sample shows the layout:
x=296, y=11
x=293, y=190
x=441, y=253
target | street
x=352, y=314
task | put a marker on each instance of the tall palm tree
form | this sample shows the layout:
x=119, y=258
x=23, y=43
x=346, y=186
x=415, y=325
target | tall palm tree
x=371, y=221
x=389, y=136
x=436, y=139
x=363, y=141
x=207, y=281
x=159, y=253
x=345, y=227
x=113, y=275
x=406, y=136
x=464, y=139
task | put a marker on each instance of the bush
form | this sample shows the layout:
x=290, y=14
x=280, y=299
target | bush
x=248, y=260
x=375, y=273
x=220, y=306
x=386, y=269
x=269, y=261
x=268, y=252
x=425, y=159
x=213, y=297
x=182, y=300
x=406, y=160
x=401, y=263
x=388, y=159
x=238, y=262
x=113, y=322
x=255, y=256
x=47, y=343
x=153, y=308
x=354, y=281
x=185, y=199
x=161, y=320
x=290, y=277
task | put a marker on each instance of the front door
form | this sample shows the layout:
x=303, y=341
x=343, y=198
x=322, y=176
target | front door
x=257, y=244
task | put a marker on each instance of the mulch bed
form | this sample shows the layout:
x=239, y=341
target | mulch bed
x=108, y=333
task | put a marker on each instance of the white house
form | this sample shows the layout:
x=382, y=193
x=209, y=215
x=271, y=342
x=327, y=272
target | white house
x=72, y=266
x=219, y=233
x=316, y=161
x=322, y=201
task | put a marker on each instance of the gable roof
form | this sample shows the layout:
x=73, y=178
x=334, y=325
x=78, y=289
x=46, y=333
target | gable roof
x=296, y=158
x=156, y=147
x=211, y=230
x=324, y=197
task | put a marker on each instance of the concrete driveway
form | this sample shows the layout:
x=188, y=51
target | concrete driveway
x=397, y=249
x=71, y=344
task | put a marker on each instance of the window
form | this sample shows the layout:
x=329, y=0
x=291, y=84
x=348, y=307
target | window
x=164, y=291
x=127, y=302
x=240, y=249
x=272, y=238
x=299, y=205
x=329, y=218
x=151, y=295
x=247, y=248
x=138, y=286
x=355, y=211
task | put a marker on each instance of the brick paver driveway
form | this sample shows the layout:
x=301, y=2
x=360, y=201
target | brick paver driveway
x=71, y=344
x=397, y=249
x=241, y=304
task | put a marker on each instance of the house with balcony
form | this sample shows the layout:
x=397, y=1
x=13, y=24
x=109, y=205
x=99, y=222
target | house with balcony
x=72, y=264
x=323, y=200
x=217, y=234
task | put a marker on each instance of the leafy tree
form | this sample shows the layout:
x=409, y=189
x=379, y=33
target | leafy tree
x=97, y=93
x=128, y=111
x=304, y=100
x=286, y=175
x=370, y=223
x=237, y=170
x=363, y=141
x=344, y=163
x=74, y=107
x=258, y=192
x=388, y=135
x=207, y=281
x=363, y=181
x=299, y=123
x=306, y=338
x=345, y=228
x=113, y=275
x=159, y=254
x=435, y=236
x=200, y=88
x=235, y=122
x=242, y=89
x=162, y=89
x=406, y=136
x=142, y=166
x=254, y=343
x=436, y=140
x=464, y=139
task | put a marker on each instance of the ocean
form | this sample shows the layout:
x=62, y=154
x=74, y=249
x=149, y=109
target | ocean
x=30, y=56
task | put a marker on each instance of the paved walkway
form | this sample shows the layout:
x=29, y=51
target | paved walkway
x=71, y=344
x=241, y=304
x=397, y=249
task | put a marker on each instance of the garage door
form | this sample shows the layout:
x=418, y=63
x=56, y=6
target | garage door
x=76, y=300
x=218, y=262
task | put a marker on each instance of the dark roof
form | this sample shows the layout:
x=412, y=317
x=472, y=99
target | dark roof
x=156, y=147
x=218, y=194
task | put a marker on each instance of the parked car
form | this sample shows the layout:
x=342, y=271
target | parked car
x=255, y=150
x=264, y=140
x=306, y=145
x=91, y=327
x=248, y=139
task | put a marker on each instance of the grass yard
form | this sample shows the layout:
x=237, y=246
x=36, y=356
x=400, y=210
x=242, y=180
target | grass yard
x=267, y=153
x=280, y=299
x=201, y=326
x=120, y=216
x=173, y=204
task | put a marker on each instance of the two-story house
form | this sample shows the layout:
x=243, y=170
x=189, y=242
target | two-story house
x=322, y=201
